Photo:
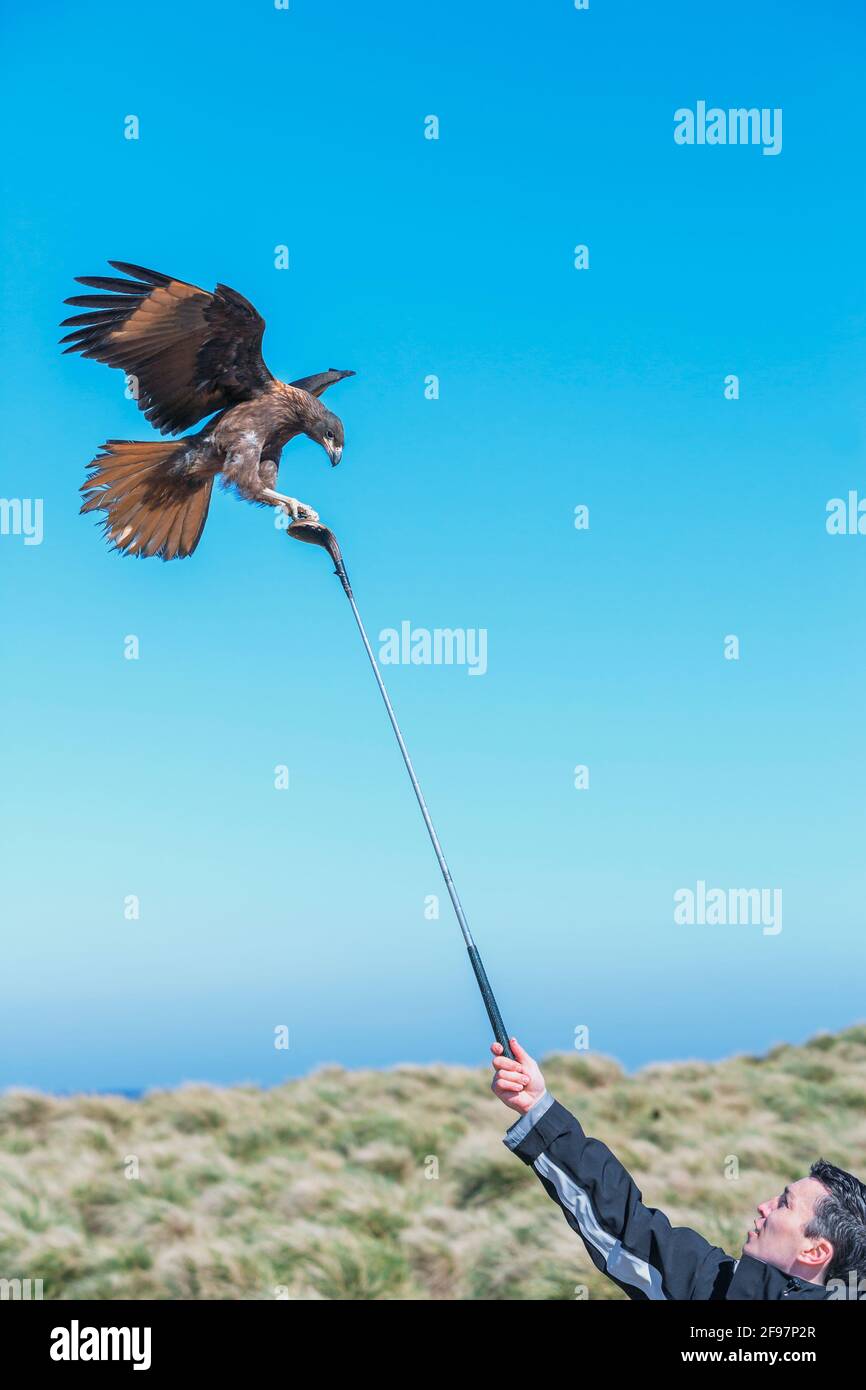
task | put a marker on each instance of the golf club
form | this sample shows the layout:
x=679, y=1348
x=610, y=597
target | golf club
x=316, y=534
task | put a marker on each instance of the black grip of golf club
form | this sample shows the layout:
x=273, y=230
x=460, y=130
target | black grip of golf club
x=490, y=1003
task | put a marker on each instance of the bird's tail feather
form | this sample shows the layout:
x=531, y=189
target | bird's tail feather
x=152, y=504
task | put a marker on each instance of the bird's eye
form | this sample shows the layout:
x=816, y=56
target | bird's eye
x=329, y=435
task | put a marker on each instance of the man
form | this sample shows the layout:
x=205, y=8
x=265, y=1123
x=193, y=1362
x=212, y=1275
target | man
x=810, y=1242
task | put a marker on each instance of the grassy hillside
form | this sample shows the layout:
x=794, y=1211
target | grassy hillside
x=319, y=1189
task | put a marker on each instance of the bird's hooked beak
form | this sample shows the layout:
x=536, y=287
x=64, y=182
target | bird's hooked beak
x=335, y=453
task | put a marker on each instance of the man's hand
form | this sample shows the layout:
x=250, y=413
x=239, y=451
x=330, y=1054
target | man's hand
x=518, y=1084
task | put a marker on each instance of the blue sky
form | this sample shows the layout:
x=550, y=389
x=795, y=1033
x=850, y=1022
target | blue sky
x=411, y=257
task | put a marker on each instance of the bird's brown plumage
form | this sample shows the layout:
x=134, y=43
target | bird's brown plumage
x=189, y=353
x=154, y=504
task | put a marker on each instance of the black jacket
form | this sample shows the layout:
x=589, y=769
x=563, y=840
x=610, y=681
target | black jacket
x=636, y=1246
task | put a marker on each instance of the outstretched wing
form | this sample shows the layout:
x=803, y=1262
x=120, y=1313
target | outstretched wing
x=191, y=352
x=321, y=381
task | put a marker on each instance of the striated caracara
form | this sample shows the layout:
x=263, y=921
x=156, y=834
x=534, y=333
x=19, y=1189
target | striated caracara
x=190, y=354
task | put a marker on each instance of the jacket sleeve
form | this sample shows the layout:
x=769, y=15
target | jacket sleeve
x=635, y=1245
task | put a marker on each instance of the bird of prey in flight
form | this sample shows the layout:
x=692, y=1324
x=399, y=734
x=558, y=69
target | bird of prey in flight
x=190, y=354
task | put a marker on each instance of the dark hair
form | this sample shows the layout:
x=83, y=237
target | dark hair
x=840, y=1217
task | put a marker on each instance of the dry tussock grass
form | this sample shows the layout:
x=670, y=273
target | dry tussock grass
x=320, y=1188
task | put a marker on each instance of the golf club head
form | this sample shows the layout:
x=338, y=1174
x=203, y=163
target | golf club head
x=314, y=533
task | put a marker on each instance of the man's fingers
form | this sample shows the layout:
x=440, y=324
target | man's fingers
x=513, y=1076
x=506, y=1064
x=501, y=1085
x=519, y=1054
x=496, y=1048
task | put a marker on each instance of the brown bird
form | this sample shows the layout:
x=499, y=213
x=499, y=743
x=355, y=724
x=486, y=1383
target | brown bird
x=188, y=354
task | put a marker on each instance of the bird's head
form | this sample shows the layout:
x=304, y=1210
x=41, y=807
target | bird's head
x=327, y=430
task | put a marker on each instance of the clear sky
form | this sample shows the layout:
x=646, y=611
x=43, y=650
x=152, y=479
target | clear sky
x=412, y=257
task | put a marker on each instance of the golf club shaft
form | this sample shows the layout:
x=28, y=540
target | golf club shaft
x=487, y=994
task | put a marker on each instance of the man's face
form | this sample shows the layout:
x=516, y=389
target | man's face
x=777, y=1234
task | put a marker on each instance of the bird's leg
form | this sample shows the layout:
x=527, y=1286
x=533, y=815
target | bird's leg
x=267, y=480
x=297, y=510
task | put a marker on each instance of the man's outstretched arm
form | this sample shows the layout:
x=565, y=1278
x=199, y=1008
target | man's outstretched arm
x=635, y=1245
